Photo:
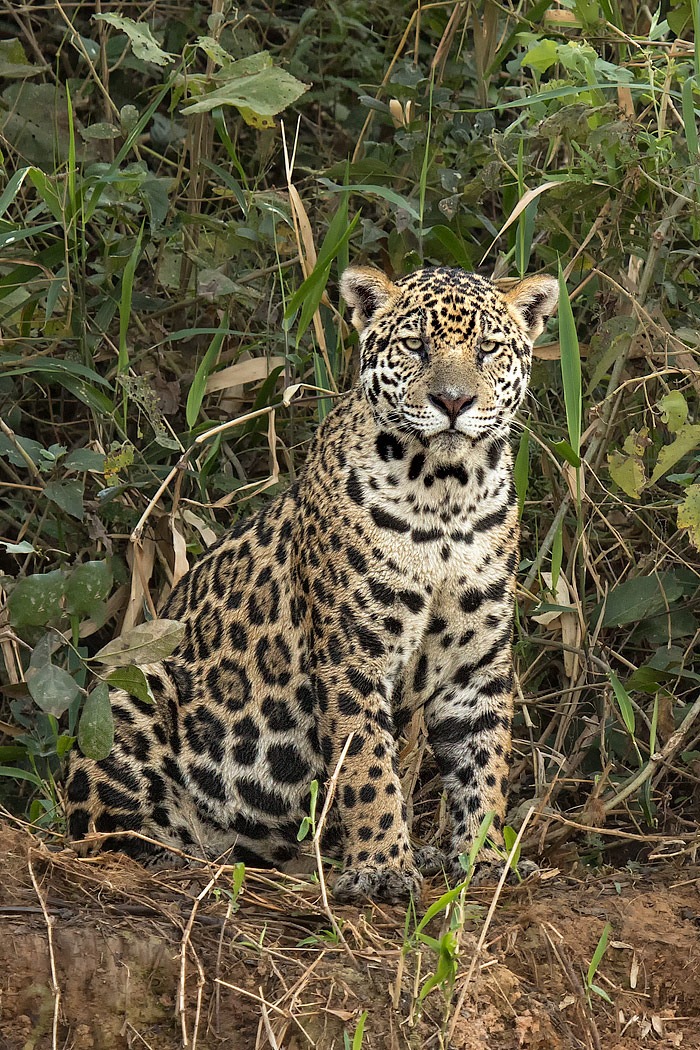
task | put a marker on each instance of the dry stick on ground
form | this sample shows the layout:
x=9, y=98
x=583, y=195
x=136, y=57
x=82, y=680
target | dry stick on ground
x=487, y=922
x=318, y=832
x=183, y=966
x=55, y=988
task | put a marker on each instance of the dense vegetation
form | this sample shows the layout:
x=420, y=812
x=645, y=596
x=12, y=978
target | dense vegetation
x=181, y=187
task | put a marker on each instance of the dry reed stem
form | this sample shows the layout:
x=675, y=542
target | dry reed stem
x=318, y=832
x=49, y=920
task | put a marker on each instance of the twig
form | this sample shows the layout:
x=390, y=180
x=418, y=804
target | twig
x=318, y=832
x=185, y=943
x=55, y=988
x=266, y=1022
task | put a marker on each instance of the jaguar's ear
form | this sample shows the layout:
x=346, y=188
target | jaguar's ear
x=366, y=290
x=531, y=301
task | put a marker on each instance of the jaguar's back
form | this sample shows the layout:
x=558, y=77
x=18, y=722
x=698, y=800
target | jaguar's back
x=382, y=582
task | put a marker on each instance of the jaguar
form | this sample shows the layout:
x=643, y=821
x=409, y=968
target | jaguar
x=380, y=584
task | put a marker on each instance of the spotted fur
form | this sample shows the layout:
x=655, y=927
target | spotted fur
x=381, y=583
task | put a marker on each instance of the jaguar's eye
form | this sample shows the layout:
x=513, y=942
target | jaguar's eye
x=489, y=346
x=414, y=343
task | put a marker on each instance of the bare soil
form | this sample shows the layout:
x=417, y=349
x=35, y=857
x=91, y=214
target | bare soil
x=101, y=954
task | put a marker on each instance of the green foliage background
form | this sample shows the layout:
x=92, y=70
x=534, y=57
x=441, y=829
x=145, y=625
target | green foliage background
x=182, y=186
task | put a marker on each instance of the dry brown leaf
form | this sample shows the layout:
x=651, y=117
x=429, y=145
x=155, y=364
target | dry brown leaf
x=249, y=371
x=181, y=565
x=141, y=557
x=205, y=530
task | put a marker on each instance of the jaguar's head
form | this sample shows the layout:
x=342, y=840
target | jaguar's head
x=445, y=355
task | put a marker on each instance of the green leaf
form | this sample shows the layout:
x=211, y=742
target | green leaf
x=36, y=599
x=87, y=587
x=378, y=191
x=213, y=50
x=687, y=440
x=598, y=954
x=622, y=697
x=24, y=547
x=689, y=514
x=309, y=293
x=199, y=383
x=85, y=459
x=564, y=449
x=68, y=495
x=133, y=681
x=142, y=41
x=570, y=365
x=125, y=302
x=638, y=598
x=13, y=60
x=145, y=644
x=541, y=56
x=257, y=95
x=627, y=472
x=52, y=689
x=674, y=408
x=96, y=726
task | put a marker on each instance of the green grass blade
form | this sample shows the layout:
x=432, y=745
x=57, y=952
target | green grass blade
x=125, y=302
x=570, y=366
x=598, y=954
x=199, y=383
x=623, y=700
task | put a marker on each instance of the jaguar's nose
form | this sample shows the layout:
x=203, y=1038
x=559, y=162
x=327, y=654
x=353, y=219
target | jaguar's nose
x=452, y=406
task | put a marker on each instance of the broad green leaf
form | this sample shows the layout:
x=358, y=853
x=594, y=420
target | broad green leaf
x=542, y=56
x=43, y=651
x=87, y=587
x=674, y=408
x=261, y=94
x=68, y=495
x=199, y=383
x=52, y=689
x=689, y=514
x=96, y=726
x=24, y=547
x=638, y=598
x=36, y=600
x=85, y=459
x=142, y=41
x=133, y=681
x=687, y=440
x=213, y=50
x=30, y=447
x=14, y=62
x=145, y=644
x=627, y=472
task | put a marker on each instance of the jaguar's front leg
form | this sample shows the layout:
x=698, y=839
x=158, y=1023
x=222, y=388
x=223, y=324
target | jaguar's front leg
x=377, y=855
x=469, y=717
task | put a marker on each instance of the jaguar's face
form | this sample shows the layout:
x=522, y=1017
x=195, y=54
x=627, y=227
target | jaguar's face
x=445, y=355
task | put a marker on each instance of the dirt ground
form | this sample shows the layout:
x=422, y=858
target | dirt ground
x=100, y=954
